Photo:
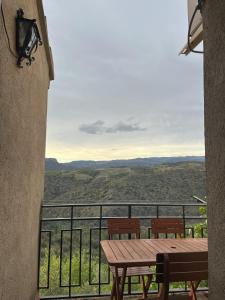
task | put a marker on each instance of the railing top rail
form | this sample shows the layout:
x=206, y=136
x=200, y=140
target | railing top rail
x=106, y=218
x=122, y=204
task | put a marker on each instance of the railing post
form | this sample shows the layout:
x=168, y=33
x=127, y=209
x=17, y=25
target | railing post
x=129, y=237
x=49, y=256
x=60, y=258
x=157, y=211
x=99, y=251
x=129, y=216
x=90, y=253
x=202, y=232
x=39, y=245
x=71, y=249
x=183, y=216
x=129, y=210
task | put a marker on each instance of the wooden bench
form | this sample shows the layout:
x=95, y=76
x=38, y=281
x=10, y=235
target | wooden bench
x=177, y=267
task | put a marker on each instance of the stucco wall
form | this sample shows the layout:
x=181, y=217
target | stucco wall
x=23, y=101
x=214, y=69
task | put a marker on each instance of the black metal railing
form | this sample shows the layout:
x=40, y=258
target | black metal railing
x=71, y=263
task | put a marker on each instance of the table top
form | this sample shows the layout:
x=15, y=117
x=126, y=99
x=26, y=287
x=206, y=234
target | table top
x=131, y=253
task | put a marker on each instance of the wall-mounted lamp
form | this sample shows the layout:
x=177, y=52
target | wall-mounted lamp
x=27, y=38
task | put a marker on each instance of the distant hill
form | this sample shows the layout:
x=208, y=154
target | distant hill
x=175, y=182
x=53, y=164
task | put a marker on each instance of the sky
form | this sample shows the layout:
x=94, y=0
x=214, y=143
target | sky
x=121, y=90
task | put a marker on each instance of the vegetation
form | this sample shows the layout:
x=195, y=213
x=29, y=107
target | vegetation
x=83, y=287
x=161, y=183
x=201, y=228
x=85, y=279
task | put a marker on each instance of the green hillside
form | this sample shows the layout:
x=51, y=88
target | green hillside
x=162, y=183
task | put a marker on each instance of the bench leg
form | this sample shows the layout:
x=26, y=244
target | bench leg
x=146, y=285
x=194, y=286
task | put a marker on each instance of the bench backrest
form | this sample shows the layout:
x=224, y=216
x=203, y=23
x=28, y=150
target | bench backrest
x=167, y=226
x=175, y=267
x=119, y=226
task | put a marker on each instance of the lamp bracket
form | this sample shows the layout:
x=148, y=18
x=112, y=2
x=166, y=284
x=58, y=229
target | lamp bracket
x=27, y=38
x=20, y=13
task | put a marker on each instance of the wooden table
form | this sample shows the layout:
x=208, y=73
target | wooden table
x=133, y=253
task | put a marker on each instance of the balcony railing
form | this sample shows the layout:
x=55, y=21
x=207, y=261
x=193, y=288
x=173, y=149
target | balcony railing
x=71, y=263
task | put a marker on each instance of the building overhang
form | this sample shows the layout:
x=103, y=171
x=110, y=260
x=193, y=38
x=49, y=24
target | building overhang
x=45, y=39
x=196, y=30
x=195, y=40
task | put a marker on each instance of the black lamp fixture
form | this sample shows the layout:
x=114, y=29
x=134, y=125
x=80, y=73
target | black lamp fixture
x=27, y=38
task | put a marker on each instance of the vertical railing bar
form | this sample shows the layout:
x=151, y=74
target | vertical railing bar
x=183, y=216
x=71, y=249
x=149, y=236
x=90, y=259
x=129, y=237
x=109, y=273
x=129, y=210
x=39, y=248
x=49, y=257
x=81, y=242
x=99, y=252
x=108, y=270
x=157, y=211
x=108, y=279
x=157, y=216
x=62, y=233
x=60, y=259
x=90, y=252
x=184, y=224
x=202, y=232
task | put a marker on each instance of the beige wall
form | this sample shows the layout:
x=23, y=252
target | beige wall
x=23, y=101
x=214, y=65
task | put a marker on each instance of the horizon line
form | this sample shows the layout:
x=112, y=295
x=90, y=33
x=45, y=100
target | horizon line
x=125, y=159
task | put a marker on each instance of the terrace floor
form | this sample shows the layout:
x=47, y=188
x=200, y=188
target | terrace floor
x=177, y=297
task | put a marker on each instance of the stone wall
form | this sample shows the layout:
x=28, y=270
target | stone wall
x=23, y=107
x=214, y=70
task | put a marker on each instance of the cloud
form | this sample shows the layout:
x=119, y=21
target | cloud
x=124, y=127
x=94, y=128
x=99, y=127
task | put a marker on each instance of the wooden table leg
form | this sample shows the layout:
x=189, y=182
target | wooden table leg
x=120, y=281
x=194, y=286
